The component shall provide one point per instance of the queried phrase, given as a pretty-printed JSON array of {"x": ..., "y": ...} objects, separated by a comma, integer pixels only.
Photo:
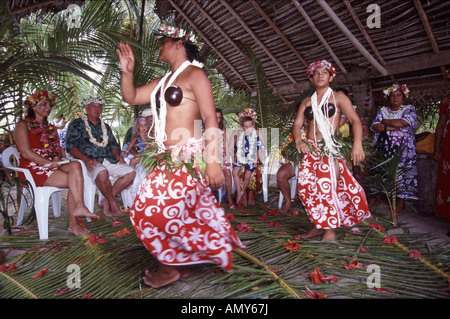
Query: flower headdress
[
  {"x": 248, "y": 112},
  {"x": 167, "y": 29},
  {"x": 321, "y": 64},
  {"x": 88, "y": 101},
  {"x": 396, "y": 87},
  {"x": 38, "y": 97}
]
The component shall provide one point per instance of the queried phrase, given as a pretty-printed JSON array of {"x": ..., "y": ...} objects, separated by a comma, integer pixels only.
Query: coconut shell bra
[
  {"x": 173, "y": 96},
  {"x": 309, "y": 112}
]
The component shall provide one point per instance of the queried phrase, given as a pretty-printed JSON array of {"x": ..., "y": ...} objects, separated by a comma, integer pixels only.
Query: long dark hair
[{"x": 192, "y": 51}]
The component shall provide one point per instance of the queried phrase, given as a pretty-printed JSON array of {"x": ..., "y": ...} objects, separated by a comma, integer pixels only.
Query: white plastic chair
[
  {"x": 89, "y": 186},
  {"x": 265, "y": 179},
  {"x": 90, "y": 189},
  {"x": 42, "y": 194},
  {"x": 294, "y": 188}
]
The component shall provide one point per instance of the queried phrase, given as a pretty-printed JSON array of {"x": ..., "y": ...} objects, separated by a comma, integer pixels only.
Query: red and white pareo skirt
[
  {"x": 180, "y": 222},
  {"x": 330, "y": 202}
]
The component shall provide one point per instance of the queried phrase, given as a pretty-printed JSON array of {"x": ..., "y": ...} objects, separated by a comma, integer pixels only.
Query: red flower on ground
[
  {"x": 291, "y": 245},
  {"x": 5, "y": 268},
  {"x": 122, "y": 232},
  {"x": 390, "y": 240},
  {"x": 96, "y": 239},
  {"x": 230, "y": 217},
  {"x": 376, "y": 226},
  {"x": 117, "y": 222},
  {"x": 41, "y": 273},
  {"x": 414, "y": 254},
  {"x": 274, "y": 224},
  {"x": 263, "y": 218},
  {"x": 314, "y": 295},
  {"x": 243, "y": 227}
]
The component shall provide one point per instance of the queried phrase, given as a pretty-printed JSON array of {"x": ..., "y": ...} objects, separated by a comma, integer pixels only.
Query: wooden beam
[
  {"x": 411, "y": 64},
  {"x": 256, "y": 39},
  {"x": 419, "y": 62},
  {"x": 278, "y": 31},
  {"x": 426, "y": 24},
  {"x": 319, "y": 35},
  {"x": 226, "y": 36},
  {"x": 224, "y": 59},
  {"x": 366, "y": 36},
  {"x": 351, "y": 37}
]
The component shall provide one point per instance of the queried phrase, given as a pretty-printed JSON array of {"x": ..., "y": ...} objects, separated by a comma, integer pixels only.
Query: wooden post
[{"x": 362, "y": 97}]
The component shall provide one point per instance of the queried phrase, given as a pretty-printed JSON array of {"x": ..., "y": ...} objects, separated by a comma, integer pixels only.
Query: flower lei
[
  {"x": 396, "y": 87},
  {"x": 167, "y": 29},
  {"x": 92, "y": 139},
  {"x": 48, "y": 136},
  {"x": 252, "y": 141},
  {"x": 321, "y": 64}
]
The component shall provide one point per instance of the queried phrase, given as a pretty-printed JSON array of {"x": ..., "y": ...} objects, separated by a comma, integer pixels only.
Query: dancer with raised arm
[{"x": 175, "y": 213}]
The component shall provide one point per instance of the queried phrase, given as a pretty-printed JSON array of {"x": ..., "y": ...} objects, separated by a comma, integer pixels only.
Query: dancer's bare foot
[
  {"x": 313, "y": 232},
  {"x": 328, "y": 235},
  {"x": 163, "y": 276},
  {"x": 78, "y": 229},
  {"x": 184, "y": 271}
]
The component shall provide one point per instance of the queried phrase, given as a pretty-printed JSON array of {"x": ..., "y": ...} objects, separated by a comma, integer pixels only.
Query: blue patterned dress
[{"x": 407, "y": 182}]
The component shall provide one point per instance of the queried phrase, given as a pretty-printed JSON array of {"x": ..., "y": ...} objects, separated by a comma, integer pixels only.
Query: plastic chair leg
[
  {"x": 56, "y": 201},
  {"x": 41, "y": 207},
  {"x": 23, "y": 205}
]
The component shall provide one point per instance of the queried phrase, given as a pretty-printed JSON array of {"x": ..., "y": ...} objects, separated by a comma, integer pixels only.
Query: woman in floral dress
[
  {"x": 40, "y": 152},
  {"x": 399, "y": 121}
]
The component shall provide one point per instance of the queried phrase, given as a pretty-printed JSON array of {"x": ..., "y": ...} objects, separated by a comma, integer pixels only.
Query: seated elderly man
[{"x": 91, "y": 140}]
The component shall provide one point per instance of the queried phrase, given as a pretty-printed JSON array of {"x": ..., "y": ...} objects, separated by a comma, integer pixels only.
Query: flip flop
[{"x": 232, "y": 206}]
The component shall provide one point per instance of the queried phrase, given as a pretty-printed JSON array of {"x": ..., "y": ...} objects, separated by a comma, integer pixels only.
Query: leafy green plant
[{"x": 385, "y": 175}]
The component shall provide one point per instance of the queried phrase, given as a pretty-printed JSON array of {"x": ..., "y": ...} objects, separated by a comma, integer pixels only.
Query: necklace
[
  {"x": 159, "y": 119},
  {"x": 324, "y": 125},
  {"x": 48, "y": 136},
  {"x": 252, "y": 141},
  {"x": 92, "y": 139}
]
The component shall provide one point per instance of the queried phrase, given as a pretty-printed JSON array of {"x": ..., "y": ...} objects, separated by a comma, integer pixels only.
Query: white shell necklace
[
  {"x": 159, "y": 119},
  {"x": 324, "y": 125}
]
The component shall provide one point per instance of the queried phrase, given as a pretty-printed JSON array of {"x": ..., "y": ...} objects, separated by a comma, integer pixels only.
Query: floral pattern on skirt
[
  {"x": 330, "y": 203},
  {"x": 178, "y": 219}
]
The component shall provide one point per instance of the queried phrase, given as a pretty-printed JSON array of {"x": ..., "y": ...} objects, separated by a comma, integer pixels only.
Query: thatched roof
[
  {"x": 22, "y": 8},
  {"x": 411, "y": 44}
]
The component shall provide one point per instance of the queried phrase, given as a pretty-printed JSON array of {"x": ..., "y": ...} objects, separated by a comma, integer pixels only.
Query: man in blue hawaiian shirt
[{"x": 91, "y": 140}]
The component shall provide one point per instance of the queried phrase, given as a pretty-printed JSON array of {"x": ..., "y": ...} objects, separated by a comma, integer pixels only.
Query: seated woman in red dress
[{"x": 38, "y": 144}]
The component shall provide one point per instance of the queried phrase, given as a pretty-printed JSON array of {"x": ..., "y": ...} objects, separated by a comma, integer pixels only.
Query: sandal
[{"x": 232, "y": 206}]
